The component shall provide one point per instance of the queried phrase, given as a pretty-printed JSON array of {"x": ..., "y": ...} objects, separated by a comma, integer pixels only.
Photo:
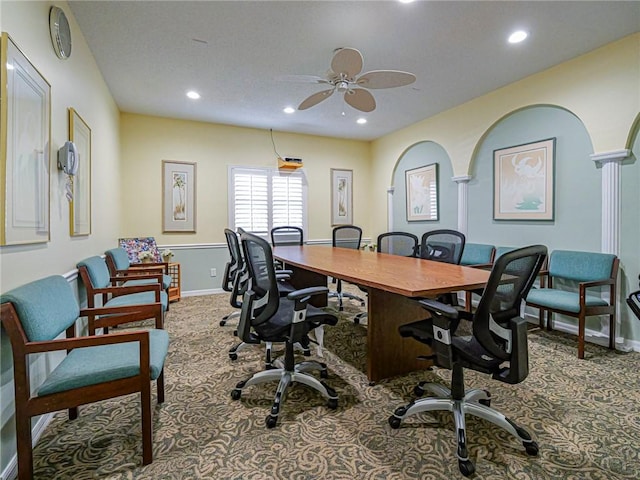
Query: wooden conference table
[{"x": 393, "y": 283}]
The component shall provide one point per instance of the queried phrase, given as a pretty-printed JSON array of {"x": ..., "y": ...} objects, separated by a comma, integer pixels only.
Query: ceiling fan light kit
[{"x": 343, "y": 77}]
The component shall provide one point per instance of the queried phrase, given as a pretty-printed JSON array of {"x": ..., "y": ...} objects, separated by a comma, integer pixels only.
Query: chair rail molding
[
  {"x": 610, "y": 162},
  {"x": 463, "y": 196}
]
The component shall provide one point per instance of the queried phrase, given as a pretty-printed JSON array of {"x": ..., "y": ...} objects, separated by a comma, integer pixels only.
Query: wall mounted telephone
[{"x": 68, "y": 158}]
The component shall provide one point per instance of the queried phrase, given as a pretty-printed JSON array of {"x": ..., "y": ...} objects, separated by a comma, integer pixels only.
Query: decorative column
[
  {"x": 390, "y": 191},
  {"x": 610, "y": 162},
  {"x": 610, "y": 242},
  {"x": 463, "y": 208}
]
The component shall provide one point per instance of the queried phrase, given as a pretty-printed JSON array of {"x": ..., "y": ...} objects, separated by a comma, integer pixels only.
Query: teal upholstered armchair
[
  {"x": 572, "y": 286},
  {"x": 95, "y": 367},
  {"x": 97, "y": 281},
  {"x": 135, "y": 274}
]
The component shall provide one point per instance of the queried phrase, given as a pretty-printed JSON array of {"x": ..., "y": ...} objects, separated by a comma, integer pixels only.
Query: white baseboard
[
  {"x": 11, "y": 471},
  {"x": 198, "y": 293}
]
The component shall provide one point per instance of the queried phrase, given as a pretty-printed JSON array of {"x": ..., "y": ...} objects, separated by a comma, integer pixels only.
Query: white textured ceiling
[{"x": 236, "y": 53}]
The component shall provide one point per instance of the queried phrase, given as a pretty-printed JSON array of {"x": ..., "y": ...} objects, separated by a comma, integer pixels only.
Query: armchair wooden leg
[
  {"x": 549, "y": 320},
  {"x": 73, "y": 413},
  {"x": 541, "y": 317},
  {"x": 467, "y": 301},
  {"x": 24, "y": 446},
  {"x": 581, "y": 321},
  {"x": 160, "y": 387},
  {"x": 612, "y": 331},
  {"x": 147, "y": 426}
]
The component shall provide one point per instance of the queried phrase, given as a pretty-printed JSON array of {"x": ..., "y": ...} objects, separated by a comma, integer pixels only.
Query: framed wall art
[
  {"x": 178, "y": 197},
  {"x": 341, "y": 197},
  {"x": 80, "y": 205},
  {"x": 422, "y": 193},
  {"x": 523, "y": 181},
  {"x": 25, "y": 135}
]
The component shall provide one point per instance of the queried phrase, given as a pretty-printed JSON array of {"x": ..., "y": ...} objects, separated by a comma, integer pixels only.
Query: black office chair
[
  {"x": 633, "y": 300},
  {"x": 497, "y": 346},
  {"x": 346, "y": 236},
  {"x": 398, "y": 243},
  {"x": 232, "y": 273},
  {"x": 239, "y": 286},
  {"x": 266, "y": 317},
  {"x": 395, "y": 243},
  {"x": 442, "y": 246},
  {"x": 287, "y": 235}
]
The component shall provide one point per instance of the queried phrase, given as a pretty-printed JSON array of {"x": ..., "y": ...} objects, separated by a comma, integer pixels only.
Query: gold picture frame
[
  {"x": 25, "y": 136},
  {"x": 178, "y": 197},
  {"x": 523, "y": 181},
  {"x": 80, "y": 204}
]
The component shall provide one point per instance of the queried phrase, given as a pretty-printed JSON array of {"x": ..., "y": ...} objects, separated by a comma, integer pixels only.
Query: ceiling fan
[{"x": 343, "y": 77}]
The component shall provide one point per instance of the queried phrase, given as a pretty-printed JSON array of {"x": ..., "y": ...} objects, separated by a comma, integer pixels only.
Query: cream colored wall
[
  {"x": 602, "y": 88},
  {"x": 146, "y": 141},
  {"x": 75, "y": 82}
]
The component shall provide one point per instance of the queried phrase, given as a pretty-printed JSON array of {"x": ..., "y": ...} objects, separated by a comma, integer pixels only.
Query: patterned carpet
[{"x": 585, "y": 415}]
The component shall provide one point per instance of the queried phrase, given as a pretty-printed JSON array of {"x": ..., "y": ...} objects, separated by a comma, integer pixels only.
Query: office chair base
[
  {"x": 475, "y": 402},
  {"x": 228, "y": 317},
  {"x": 342, "y": 295},
  {"x": 285, "y": 378}
]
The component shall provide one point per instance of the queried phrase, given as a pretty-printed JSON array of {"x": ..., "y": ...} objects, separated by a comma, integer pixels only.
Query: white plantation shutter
[{"x": 263, "y": 198}]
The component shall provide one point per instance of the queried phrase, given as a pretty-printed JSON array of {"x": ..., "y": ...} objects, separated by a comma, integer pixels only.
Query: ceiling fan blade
[
  {"x": 302, "y": 79},
  {"x": 347, "y": 61},
  {"x": 385, "y": 79},
  {"x": 360, "y": 100},
  {"x": 315, "y": 99}
]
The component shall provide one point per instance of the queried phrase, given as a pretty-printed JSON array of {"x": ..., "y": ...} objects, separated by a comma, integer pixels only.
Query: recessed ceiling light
[
  {"x": 361, "y": 121},
  {"x": 9, "y": 66},
  {"x": 518, "y": 36},
  {"x": 289, "y": 110},
  {"x": 193, "y": 95},
  {"x": 406, "y": 1}
]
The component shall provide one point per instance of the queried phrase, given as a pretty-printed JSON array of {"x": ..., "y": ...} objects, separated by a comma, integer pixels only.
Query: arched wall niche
[
  {"x": 630, "y": 231},
  {"x": 418, "y": 155},
  {"x": 577, "y": 183}
]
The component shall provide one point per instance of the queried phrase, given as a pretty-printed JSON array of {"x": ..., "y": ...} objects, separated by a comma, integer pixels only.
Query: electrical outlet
[{"x": 213, "y": 272}]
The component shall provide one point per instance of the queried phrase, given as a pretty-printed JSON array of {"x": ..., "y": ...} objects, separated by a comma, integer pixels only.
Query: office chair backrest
[
  {"x": 236, "y": 264},
  {"x": 262, "y": 279},
  {"x": 398, "y": 243},
  {"x": 347, "y": 236},
  {"x": 287, "y": 235},
  {"x": 511, "y": 278},
  {"x": 442, "y": 246}
]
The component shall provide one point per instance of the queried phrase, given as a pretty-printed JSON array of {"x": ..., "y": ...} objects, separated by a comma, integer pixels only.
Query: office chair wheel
[
  {"x": 324, "y": 373},
  {"x": 223, "y": 323},
  {"x": 271, "y": 421},
  {"x": 418, "y": 390},
  {"x": 332, "y": 403},
  {"x": 486, "y": 402},
  {"x": 236, "y": 393},
  {"x": 233, "y": 356},
  {"x": 394, "y": 422},
  {"x": 356, "y": 320},
  {"x": 466, "y": 467},
  {"x": 531, "y": 448}
]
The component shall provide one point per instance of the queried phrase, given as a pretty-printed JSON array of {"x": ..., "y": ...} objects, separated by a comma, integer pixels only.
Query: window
[{"x": 263, "y": 198}]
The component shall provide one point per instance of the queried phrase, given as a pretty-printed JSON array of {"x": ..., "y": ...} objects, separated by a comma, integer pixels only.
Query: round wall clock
[{"x": 60, "y": 32}]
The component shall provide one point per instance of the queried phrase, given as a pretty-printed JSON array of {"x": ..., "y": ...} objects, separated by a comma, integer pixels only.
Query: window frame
[{"x": 270, "y": 173}]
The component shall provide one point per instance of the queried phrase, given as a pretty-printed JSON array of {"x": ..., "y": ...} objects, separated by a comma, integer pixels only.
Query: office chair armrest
[
  {"x": 284, "y": 271},
  {"x": 307, "y": 292},
  {"x": 440, "y": 308}
]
